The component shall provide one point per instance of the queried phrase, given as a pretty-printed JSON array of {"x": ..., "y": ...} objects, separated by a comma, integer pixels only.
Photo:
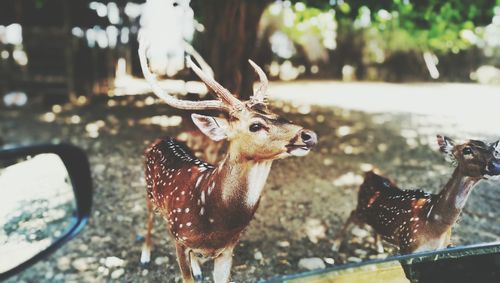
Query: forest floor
[{"x": 306, "y": 200}]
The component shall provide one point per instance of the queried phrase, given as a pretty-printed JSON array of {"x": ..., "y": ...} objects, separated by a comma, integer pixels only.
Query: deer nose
[
  {"x": 309, "y": 137},
  {"x": 494, "y": 167}
]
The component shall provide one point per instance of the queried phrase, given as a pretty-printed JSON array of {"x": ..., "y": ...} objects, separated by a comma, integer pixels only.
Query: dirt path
[{"x": 318, "y": 188}]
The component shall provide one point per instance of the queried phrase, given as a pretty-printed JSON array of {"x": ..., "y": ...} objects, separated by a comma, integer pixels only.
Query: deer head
[
  {"x": 253, "y": 131},
  {"x": 473, "y": 158}
]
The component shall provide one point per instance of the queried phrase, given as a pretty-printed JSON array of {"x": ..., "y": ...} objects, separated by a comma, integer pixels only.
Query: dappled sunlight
[
  {"x": 471, "y": 106},
  {"x": 162, "y": 120}
]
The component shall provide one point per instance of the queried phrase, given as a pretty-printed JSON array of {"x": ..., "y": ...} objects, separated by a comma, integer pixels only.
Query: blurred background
[
  {"x": 82, "y": 48},
  {"x": 377, "y": 80}
]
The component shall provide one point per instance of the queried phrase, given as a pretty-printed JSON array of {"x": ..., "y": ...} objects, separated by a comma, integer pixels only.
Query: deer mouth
[{"x": 298, "y": 149}]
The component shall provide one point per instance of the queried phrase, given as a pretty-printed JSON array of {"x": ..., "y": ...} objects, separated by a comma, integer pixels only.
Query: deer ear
[
  {"x": 445, "y": 144},
  {"x": 212, "y": 127}
]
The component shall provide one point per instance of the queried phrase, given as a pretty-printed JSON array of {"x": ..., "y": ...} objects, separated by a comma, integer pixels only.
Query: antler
[
  {"x": 170, "y": 100},
  {"x": 199, "y": 59},
  {"x": 219, "y": 90},
  {"x": 260, "y": 95}
]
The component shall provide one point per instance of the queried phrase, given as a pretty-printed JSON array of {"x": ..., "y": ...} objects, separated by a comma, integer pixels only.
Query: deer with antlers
[
  {"x": 415, "y": 220},
  {"x": 206, "y": 206}
]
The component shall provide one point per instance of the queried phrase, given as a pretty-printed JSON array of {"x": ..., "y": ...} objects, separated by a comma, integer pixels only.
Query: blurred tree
[
  {"x": 397, "y": 27},
  {"x": 230, "y": 39}
]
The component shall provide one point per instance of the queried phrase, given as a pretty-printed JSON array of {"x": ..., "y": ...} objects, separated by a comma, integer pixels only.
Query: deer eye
[
  {"x": 255, "y": 127},
  {"x": 467, "y": 151}
]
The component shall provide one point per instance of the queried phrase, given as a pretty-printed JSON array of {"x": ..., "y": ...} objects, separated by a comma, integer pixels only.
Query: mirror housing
[
  {"x": 77, "y": 166},
  {"x": 477, "y": 263}
]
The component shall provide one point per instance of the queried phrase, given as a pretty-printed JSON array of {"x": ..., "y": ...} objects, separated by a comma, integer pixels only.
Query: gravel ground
[{"x": 303, "y": 207}]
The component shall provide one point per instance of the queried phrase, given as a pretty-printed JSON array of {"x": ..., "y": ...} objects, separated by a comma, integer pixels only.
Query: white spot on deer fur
[
  {"x": 198, "y": 181},
  {"x": 202, "y": 210},
  {"x": 202, "y": 197},
  {"x": 186, "y": 210},
  {"x": 430, "y": 210},
  {"x": 211, "y": 220},
  {"x": 211, "y": 188},
  {"x": 257, "y": 177},
  {"x": 188, "y": 224}
]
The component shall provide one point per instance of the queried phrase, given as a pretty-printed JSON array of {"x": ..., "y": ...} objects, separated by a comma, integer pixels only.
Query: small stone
[
  {"x": 63, "y": 263},
  {"x": 113, "y": 261},
  {"x": 283, "y": 244},
  {"x": 49, "y": 274},
  {"x": 329, "y": 260},
  {"x": 354, "y": 259},
  {"x": 161, "y": 260},
  {"x": 99, "y": 168},
  {"x": 311, "y": 263},
  {"x": 315, "y": 230},
  {"x": 258, "y": 255},
  {"x": 327, "y": 161},
  {"x": 360, "y": 233},
  {"x": 80, "y": 264},
  {"x": 103, "y": 270},
  {"x": 83, "y": 247},
  {"x": 145, "y": 272},
  {"x": 370, "y": 239},
  {"x": 335, "y": 248},
  {"x": 117, "y": 273},
  {"x": 360, "y": 252}
]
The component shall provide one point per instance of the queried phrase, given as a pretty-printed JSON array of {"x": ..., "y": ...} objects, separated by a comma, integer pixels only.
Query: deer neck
[
  {"x": 242, "y": 180},
  {"x": 451, "y": 200}
]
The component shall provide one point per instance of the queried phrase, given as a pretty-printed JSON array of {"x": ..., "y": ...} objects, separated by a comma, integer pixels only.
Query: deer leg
[
  {"x": 353, "y": 219},
  {"x": 195, "y": 267},
  {"x": 379, "y": 243},
  {"x": 146, "y": 247},
  {"x": 222, "y": 266},
  {"x": 447, "y": 241},
  {"x": 183, "y": 260}
]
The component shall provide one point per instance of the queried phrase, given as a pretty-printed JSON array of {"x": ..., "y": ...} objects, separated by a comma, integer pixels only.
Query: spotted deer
[
  {"x": 207, "y": 206},
  {"x": 415, "y": 220}
]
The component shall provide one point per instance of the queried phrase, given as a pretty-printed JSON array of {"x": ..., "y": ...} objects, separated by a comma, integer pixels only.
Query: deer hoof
[
  {"x": 198, "y": 278},
  {"x": 145, "y": 256}
]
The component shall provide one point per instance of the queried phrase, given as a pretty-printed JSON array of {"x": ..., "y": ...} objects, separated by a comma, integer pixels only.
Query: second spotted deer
[
  {"x": 415, "y": 220},
  {"x": 206, "y": 206}
]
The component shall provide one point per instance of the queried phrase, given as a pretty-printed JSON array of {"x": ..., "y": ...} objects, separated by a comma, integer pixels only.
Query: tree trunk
[{"x": 230, "y": 39}]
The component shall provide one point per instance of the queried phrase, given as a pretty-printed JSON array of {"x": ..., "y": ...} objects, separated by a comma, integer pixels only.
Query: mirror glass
[{"x": 36, "y": 206}]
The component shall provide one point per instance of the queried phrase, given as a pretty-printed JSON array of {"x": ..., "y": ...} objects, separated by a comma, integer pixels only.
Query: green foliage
[
  {"x": 433, "y": 25},
  {"x": 307, "y": 20}
]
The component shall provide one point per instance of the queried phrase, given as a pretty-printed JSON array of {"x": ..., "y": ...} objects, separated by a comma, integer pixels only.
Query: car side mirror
[{"x": 45, "y": 200}]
